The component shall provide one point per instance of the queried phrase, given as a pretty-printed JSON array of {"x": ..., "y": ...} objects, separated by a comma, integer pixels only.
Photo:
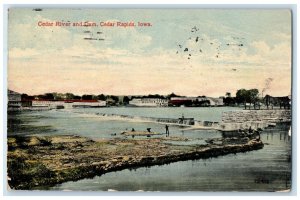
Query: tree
[
  {"x": 156, "y": 96},
  {"x": 267, "y": 98},
  {"x": 58, "y": 96},
  {"x": 69, "y": 96},
  {"x": 241, "y": 96},
  {"x": 228, "y": 94},
  {"x": 126, "y": 100},
  {"x": 253, "y": 96},
  {"x": 94, "y": 97},
  {"x": 115, "y": 98},
  {"x": 77, "y": 97},
  {"x": 49, "y": 96},
  {"x": 102, "y": 97},
  {"x": 87, "y": 97},
  {"x": 229, "y": 101},
  {"x": 247, "y": 96},
  {"x": 24, "y": 96},
  {"x": 172, "y": 95}
]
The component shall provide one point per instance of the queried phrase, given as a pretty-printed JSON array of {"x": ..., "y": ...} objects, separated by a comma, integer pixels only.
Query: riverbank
[{"x": 35, "y": 161}]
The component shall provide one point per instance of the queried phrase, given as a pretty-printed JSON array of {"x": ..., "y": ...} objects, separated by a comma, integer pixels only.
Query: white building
[
  {"x": 149, "y": 102},
  {"x": 46, "y": 103},
  {"x": 52, "y": 104}
]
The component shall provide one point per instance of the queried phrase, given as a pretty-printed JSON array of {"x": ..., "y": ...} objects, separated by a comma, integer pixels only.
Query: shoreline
[{"x": 36, "y": 162}]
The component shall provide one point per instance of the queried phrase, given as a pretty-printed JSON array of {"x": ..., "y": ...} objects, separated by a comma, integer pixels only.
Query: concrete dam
[{"x": 231, "y": 121}]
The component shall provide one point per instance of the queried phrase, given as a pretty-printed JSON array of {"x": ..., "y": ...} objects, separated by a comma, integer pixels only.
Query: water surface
[{"x": 267, "y": 169}]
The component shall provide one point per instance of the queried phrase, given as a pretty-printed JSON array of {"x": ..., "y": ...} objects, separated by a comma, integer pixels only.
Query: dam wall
[
  {"x": 177, "y": 121},
  {"x": 231, "y": 120},
  {"x": 257, "y": 116},
  {"x": 244, "y": 119}
]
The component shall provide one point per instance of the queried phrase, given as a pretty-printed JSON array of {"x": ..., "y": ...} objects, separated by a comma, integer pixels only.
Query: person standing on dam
[{"x": 167, "y": 131}]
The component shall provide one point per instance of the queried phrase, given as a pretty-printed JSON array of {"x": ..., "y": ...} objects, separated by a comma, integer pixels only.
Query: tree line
[
  {"x": 242, "y": 97},
  {"x": 69, "y": 96},
  {"x": 111, "y": 98}
]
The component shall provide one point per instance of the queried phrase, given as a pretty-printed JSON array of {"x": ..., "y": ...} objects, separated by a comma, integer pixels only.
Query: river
[{"x": 267, "y": 169}]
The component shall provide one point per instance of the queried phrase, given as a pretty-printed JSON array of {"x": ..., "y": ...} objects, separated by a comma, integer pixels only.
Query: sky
[{"x": 189, "y": 52}]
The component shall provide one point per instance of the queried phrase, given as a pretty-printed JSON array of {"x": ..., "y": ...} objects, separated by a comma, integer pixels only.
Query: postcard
[{"x": 169, "y": 100}]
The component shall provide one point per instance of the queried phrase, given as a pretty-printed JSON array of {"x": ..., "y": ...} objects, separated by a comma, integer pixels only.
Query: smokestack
[{"x": 267, "y": 85}]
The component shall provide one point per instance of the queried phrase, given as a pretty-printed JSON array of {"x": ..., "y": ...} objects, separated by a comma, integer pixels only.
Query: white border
[{"x": 150, "y": 4}]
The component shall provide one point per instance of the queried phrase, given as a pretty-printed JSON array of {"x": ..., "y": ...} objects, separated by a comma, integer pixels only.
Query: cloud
[
  {"x": 121, "y": 71},
  {"x": 128, "y": 38},
  {"x": 27, "y": 34},
  {"x": 279, "y": 55},
  {"x": 17, "y": 53},
  {"x": 133, "y": 61}
]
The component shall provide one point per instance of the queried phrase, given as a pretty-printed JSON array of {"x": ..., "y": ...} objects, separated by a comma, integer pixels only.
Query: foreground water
[{"x": 267, "y": 169}]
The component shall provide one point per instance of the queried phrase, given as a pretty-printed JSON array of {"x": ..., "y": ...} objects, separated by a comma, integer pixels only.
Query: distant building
[
  {"x": 196, "y": 101},
  {"x": 54, "y": 104},
  {"x": 215, "y": 101},
  {"x": 149, "y": 102},
  {"x": 281, "y": 102},
  {"x": 14, "y": 100},
  {"x": 88, "y": 103},
  {"x": 50, "y": 104},
  {"x": 181, "y": 101}
]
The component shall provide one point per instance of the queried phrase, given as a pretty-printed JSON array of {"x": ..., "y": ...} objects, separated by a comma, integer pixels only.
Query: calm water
[
  {"x": 86, "y": 123},
  {"x": 267, "y": 169}
]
